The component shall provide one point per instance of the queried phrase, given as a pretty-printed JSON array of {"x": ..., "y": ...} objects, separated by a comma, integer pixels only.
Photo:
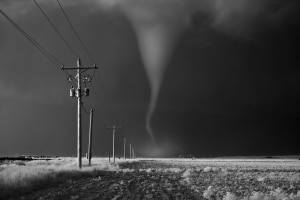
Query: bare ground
[
  {"x": 143, "y": 180},
  {"x": 119, "y": 185}
]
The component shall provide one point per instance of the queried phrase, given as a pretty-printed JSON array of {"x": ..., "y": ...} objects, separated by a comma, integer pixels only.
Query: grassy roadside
[{"x": 22, "y": 177}]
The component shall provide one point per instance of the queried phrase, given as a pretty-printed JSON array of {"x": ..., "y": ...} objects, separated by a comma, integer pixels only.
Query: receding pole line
[
  {"x": 130, "y": 151},
  {"x": 133, "y": 156},
  {"x": 114, "y": 128},
  {"x": 124, "y": 148}
]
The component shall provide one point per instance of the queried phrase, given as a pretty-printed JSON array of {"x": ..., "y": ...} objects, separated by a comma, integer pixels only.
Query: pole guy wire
[
  {"x": 55, "y": 29},
  {"x": 75, "y": 32},
  {"x": 84, "y": 109},
  {"x": 32, "y": 41}
]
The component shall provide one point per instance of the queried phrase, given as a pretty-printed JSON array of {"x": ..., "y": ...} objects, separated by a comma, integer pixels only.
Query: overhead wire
[
  {"x": 75, "y": 32},
  {"x": 96, "y": 94},
  {"x": 84, "y": 109},
  {"x": 75, "y": 54},
  {"x": 89, "y": 56},
  {"x": 104, "y": 91},
  {"x": 106, "y": 98},
  {"x": 46, "y": 53},
  {"x": 55, "y": 29},
  {"x": 93, "y": 73},
  {"x": 61, "y": 36},
  {"x": 32, "y": 41},
  {"x": 100, "y": 80},
  {"x": 79, "y": 39}
]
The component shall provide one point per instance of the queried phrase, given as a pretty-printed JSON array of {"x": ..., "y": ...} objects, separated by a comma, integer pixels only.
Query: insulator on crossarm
[
  {"x": 86, "y": 91},
  {"x": 72, "y": 92},
  {"x": 69, "y": 78},
  {"x": 88, "y": 78}
]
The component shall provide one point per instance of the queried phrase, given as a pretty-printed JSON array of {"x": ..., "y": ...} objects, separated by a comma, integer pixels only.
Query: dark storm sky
[{"x": 230, "y": 73}]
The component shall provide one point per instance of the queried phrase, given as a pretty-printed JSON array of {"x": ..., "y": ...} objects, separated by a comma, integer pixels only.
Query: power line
[
  {"x": 89, "y": 105},
  {"x": 96, "y": 94},
  {"x": 56, "y": 30},
  {"x": 85, "y": 101},
  {"x": 32, "y": 41},
  {"x": 106, "y": 98},
  {"x": 84, "y": 109},
  {"x": 107, "y": 102},
  {"x": 75, "y": 32},
  {"x": 93, "y": 74},
  {"x": 101, "y": 83}
]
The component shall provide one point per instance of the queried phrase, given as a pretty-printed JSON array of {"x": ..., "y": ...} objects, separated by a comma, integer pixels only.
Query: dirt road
[
  {"x": 119, "y": 185},
  {"x": 178, "y": 180}
]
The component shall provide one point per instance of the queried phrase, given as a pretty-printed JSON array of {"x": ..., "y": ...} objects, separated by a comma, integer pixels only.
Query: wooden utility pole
[
  {"x": 78, "y": 93},
  {"x": 114, "y": 128},
  {"x": 90, "y": 137},
  {"x": 124, "y": 148}
]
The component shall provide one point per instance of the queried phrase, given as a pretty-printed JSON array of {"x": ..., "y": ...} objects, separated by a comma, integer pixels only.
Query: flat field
[{"x": 228, "y": 179}]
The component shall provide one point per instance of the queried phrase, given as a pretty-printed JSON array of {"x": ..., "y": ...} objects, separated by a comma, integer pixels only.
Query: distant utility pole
[
  {"x": 130, "y": 150},
  {"x": 114, "y": 128},
  {"x": 132, "y": 153},
  {"x": 78, "y": 93},
  {"x": 90, "y": 137},
  {"x": 124, "y": 148}
]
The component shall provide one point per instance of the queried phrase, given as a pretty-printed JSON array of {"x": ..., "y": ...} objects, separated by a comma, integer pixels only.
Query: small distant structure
[
  {"x": 186, "y": 156},
  {"x": 268, "y": 157}
]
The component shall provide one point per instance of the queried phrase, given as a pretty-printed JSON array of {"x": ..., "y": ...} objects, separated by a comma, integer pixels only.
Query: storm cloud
[{"x": 218, "y": 63}]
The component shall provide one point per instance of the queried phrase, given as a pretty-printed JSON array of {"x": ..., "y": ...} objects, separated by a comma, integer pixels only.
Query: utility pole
[
  {"x": 114, "y": 128},
  {"x": 133, "y": 156},
  {"x": 124, "y": 148},
  {"x": 130, "y": 150},
  {"x": 78, "y": 94},
  {"x": 90, "y": 137}
]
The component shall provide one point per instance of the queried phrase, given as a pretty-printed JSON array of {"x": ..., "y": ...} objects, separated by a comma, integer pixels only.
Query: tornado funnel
[{"x": 157, "y": 27}]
